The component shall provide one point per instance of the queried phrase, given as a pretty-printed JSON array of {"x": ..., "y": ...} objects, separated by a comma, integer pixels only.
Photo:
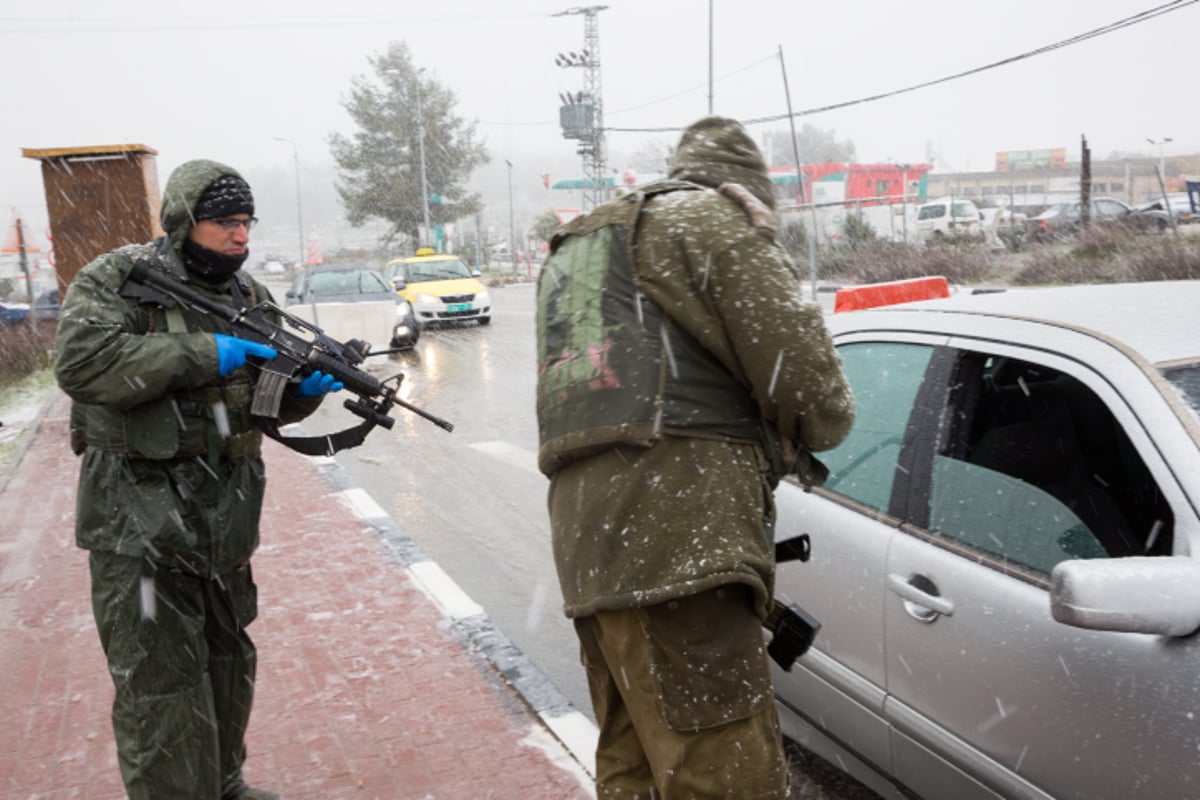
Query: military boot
[{"x": 241, "y": 791}]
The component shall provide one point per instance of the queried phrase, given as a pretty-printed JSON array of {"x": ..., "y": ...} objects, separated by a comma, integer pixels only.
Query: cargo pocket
[
  {"x": 708, "y": 659},
  {"x": 244, "y": 595},
  {"x": 152, "y": 429}
]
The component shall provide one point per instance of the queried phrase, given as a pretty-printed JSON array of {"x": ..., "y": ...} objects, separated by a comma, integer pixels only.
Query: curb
[
  {"x": 468, "y": 621},
  {"x": 26, "y": 436}
]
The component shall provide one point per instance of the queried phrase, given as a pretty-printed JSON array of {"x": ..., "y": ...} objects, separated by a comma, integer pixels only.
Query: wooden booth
[{"x": 99, "y": 197}]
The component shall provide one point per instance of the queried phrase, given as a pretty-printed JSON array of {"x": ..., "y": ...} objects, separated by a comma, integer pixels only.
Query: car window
[
  {"x": 372, "y": 282},
  {"x": 1109, "y": 208},
  {"x": 1006, "y": 516},
  {"x": 439, "y": 270},
  {"x": 1186, "y": 380},
  {"x": 1035, "y": 469},
  {"x": 329, "y": 284},
  {"x": 965, "y": 210},
  {"x": 931, "y": 212},
  {"x": 885, "y": 378}
]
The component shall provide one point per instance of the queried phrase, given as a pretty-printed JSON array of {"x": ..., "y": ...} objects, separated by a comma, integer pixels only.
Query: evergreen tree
[{"x": 379, "y": 165}]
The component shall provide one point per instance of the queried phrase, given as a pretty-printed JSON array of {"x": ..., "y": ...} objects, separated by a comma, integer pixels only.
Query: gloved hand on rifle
[
  {"x": 318, "y": 384},
  {"x": 232, "y": 352}
]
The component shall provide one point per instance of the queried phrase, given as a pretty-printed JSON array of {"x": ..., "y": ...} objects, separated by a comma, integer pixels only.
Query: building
[{"x": 1033, "y": 184}]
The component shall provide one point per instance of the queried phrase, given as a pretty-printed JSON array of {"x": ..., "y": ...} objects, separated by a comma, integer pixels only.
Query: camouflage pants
[
  {"x": 183, "y": 667},
  {"x": 682, "y": 694}
]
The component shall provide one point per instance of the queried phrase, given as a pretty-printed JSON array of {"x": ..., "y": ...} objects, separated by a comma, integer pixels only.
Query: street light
[
  {"x": 1162, "y": 164},
  {"x": 512, "y": 230},
  {"x": 299, "y": 213},
  {"x": 420, "y": 149}
]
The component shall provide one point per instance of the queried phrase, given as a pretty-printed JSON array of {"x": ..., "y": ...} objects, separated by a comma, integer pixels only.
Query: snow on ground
[{"x": 21, "y": 405}]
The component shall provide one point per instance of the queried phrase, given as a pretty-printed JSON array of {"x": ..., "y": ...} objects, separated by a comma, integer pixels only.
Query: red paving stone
[{"x": 363, "y": 693}]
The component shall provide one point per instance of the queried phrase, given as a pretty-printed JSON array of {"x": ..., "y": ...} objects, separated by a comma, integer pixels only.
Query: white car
[
  {"x": 949, "y": 218},
  {"x": 1006, "y": 554}
]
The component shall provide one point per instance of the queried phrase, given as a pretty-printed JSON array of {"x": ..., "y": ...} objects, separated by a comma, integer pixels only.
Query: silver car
[{"x": 1006, "y": 554}]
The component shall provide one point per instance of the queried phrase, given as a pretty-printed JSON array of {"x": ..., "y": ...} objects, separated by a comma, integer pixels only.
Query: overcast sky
[{"x": 223, "y": 80}]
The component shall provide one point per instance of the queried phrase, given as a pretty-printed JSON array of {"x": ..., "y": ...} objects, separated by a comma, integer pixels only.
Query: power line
[
  {"x": 59, "y": 25},
  {"x": 1143, "y": 16},
  {"x": 648, "y": 103}
]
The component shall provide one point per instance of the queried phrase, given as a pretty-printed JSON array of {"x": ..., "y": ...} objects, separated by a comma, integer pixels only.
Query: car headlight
[
  {"x": 482, "y": 297},
  {"x": 427, "y": 299}
]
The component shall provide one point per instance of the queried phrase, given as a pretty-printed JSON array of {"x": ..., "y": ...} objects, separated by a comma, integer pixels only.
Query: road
[{"x": 473, "y": 499}]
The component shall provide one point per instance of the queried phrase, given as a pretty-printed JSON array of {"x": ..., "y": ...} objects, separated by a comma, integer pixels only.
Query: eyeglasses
[{"x": 231, "y": 223}]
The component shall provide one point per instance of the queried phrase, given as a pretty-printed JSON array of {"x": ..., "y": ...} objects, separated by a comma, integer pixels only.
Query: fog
[{"x": 227, "y": 82}]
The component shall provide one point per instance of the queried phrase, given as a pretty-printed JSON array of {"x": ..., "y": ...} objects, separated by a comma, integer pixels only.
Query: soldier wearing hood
[
  {"x": 171, "y": 487},
  {"x": 680, "y": 376}
]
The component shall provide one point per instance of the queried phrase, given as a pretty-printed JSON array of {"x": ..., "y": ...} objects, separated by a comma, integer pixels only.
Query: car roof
[
  {"x": 422, "y": 259},
  {"x": 1156, "y": 319}
]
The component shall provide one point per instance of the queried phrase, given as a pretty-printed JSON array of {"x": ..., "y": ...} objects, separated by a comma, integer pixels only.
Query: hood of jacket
[
  {"x": 717, "y": 150},
  {"x": 183, "y": 190}
]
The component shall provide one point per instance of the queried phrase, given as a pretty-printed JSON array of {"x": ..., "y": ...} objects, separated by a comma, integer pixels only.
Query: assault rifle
[{"x": 298, "y": 354}]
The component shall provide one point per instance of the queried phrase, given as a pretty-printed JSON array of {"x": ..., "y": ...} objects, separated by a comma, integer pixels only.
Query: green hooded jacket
[
  {"x": 171, "y": 465},
  {"x": 643, "y": 523}
]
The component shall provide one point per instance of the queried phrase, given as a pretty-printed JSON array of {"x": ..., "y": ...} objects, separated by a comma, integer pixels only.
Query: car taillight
[{"x": 1041, "y": 226}]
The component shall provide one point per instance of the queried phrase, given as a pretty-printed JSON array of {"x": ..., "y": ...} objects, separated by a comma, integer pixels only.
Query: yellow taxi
[{"x": 440, "y": 287}]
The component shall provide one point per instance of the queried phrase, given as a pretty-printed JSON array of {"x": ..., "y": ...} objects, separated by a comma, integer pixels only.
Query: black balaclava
[{"x": 227, "y": 195}]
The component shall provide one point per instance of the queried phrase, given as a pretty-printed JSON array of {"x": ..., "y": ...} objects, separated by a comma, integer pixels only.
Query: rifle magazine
[{"x": 268, "y": 394}]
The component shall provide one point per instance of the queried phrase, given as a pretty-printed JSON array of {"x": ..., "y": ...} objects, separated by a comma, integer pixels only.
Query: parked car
[
  {"x": 13, "y": 313},
  {"x": 1063, "y": 220},
  {"x": 440, "y": 287},
  {"x": 45, "y": 306},
  {"x": 949, "y": 218},
  {"x": 1159, "y": 219},
  {"x": 1006, "y": 554},
  {"x": 374, "y": 314}
]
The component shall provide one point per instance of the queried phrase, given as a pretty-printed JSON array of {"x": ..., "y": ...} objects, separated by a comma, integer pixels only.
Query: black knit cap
[{"x": 227, "y": 195}]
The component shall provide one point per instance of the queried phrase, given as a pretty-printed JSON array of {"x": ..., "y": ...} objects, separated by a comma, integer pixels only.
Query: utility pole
[
  {"x": 812, "y": 240},
  {"x": 710, "y": 57},
  {"x": 582, "y": 115},
  {"x": 302, "y": 259},
  {"x": 421, "y": 148}
]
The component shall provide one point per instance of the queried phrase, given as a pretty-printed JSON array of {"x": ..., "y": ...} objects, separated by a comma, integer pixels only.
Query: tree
[
  {"x": 544, "y": 226},
  {"x": 654, "y": 155},
  {"x": 817, "y": 146},
  {"x": 379, "y": 166}
]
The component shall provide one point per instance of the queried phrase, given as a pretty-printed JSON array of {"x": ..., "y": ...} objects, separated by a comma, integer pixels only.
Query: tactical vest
[
  {"x": 613, "y": 368},
  {"x": 212, "y": 422}
]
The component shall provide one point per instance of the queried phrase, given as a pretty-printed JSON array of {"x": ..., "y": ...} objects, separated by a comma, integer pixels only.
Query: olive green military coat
[
  {"x": 638, "y": 525},
  {"x": 171, "y": 467}
]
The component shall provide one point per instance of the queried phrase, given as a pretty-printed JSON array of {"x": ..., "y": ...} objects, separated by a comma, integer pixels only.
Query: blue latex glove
[
  {"x": 318, "y": 384},
  {"x": 232, "y": 352}
]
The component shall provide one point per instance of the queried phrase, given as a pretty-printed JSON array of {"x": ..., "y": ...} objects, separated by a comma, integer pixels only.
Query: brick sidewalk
[{"x": 367, "y": 688}]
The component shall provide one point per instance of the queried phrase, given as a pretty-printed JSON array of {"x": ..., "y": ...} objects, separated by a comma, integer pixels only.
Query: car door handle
[{"x": 916, "y": 589}]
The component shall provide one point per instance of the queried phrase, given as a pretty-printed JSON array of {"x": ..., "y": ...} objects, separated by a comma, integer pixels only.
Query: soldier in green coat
[
  {"x": 171, "y": 488},
  {"x": 680, "y": 376}
]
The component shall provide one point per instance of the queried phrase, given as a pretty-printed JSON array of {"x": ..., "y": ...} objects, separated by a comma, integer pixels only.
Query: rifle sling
[{"x": 325, "y": 445}]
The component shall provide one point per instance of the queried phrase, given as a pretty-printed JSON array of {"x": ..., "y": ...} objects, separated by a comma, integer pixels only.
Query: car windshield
[
  {"x": 447, "y": 269},
  {"x": 327, "y": 284},
  {"x": 1186, "y": 380}
]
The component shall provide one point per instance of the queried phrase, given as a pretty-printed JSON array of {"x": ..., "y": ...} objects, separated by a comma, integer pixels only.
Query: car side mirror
[
  {"x": 1140, "y": 594},
  {"x": 476, "y": 272},
  {"x": 291, "y": 293},
  {"x": 398, "y": 283}
]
